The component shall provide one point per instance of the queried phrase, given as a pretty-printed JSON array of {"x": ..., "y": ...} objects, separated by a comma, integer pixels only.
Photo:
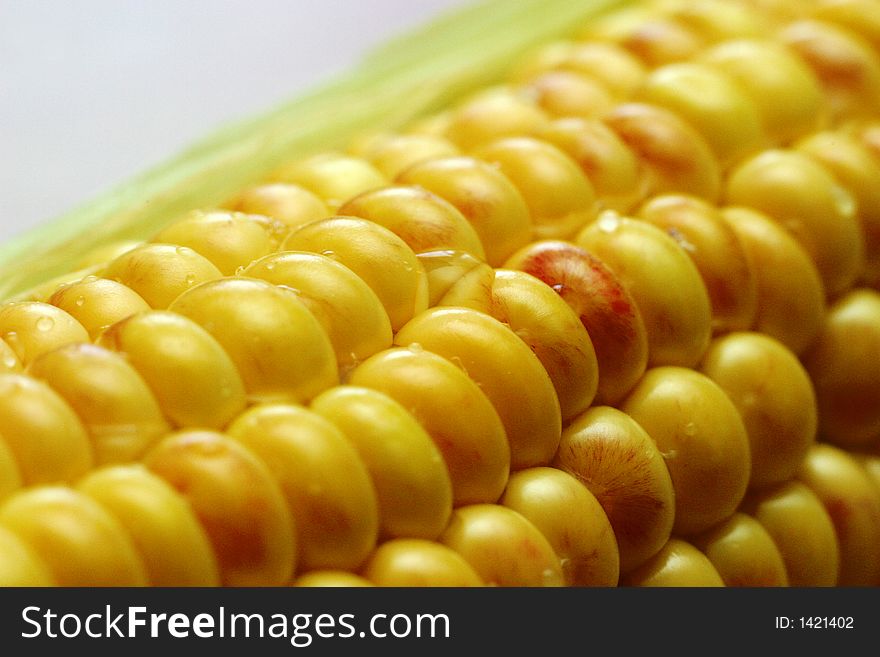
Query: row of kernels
[{"x": 337, "y": 194}]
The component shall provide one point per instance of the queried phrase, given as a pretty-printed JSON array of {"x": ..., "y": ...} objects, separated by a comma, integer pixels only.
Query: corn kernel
[
  {"x": 458, "y": 416},
  {"x": 160, "y": 273},
  {"x": 415, "y": 562},
  {"x": 192, "y": 377},
  {"x": 115, "y": 405},
  {"x": 280, "y": 350},
  {"x": 608, "y": 452},
  {"x": 399, "y": 455},
  {"x": 502, "y": 547},
  {"x": 487, "y": 199},
  {"x": 327, "y": 487},
  {"x": 376, "y": 255},
  {"x": 237, "y": 501},
  {"x": 571, "y": 519},
  {"x": 506, "y": 370},
  {"x": 42, "y": 432}
]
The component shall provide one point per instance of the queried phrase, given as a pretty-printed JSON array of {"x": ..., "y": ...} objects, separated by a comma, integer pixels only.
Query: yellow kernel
[
  {"x": 715, "y": 249},
  {"x": 610, "y": 165},
  {"x": 334, "y": 177},
  {"x": 191, "y": 376},
  {"x": 712, "y": 103},
  {"x": 325, "y": 484},
  {"x": 676, "y": 157},
  {"x": 845, "y": 64},
  {"x": 228, "y": 239},
  {"x": 502, "y": 547},
  {"x": 423, "y": 220},
  {"x": 506, "y": 370},
  {"x": 802, "y": 529},
  {"x": 675, "y": 306},
  {"x": 493, "y": 114},
  {"x": 853, "y": 504},
  {"x": 743, "y": 553},
  {"x": 413, "y": 488},
  {"x": 115, "y": 405},
  {"x": 785, "y": 91},
  {"x": 280, "y": 350},
  {"x": 20, "y": 565},
  {"x": 571, "y": 519},
  {"x": 457, "y": 415},
  {"x": 31, "y": 328},
  {"x": 842, "y": 363},
  {"x": 858, "y": 171},
  {"x": 378, "y": 256},
  {"x": 80, "y": 542},
  {"x": 484, "y": 195},
  {"x": 774, "y": 397},
  {"x": 42, "y": 432},
  {"x": 701, "y": 436},
  {"x": 678, "y": 564},
  {"x": 560, "y": 198},
  {"x": 553, "y": 331},
  {"x": 610, "y": 454},
  {"x": 567, "y": 93},
  {"x": 96, "y": 303},
  {"x": 417, "y": 562},
  {"x": 391, "y": 154},
  {"x": 790, "y": 294},
  {"x": 606, "y": 309},
  {"x": 159, "y": 273},
  {"x": 806, "y": 200},
  {"x": 620, "y": 71},
  {"x": 349, "y": 311},
  {"x": 290, "y": 204},
  {"x": 237, "y": 501},
  {"x": 162, "y": 525}
]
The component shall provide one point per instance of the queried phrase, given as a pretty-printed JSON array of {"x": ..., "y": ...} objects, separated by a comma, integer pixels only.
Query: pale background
[{"x": 93, "y": 92}]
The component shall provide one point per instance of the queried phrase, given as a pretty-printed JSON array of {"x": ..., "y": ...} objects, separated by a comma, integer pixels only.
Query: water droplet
[
  {"x": 690, "y": 429},
  {"x": 328, "y": 253},
  {"x": 559, "y": 288},
  {"x": 550, "y": 577},
  {"x": 844, "y": 201},
  {"x": 10, "y": 361},
  {"x": 91, "y": 278},
  {"x": 608, "y": 221},
  {"x": 80, "y": 300},
  {"x": 239, "y": 270},
  {"x": 45, "y": 324},
  {"x": 190, "y": 279},
  {"x": 682, "y": 241},
  {"x": 416, "y": 348},
  {"x": 270, "y": 266}
]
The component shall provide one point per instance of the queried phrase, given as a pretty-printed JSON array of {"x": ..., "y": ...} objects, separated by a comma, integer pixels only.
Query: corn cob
[{"x": 611, "y": 319}]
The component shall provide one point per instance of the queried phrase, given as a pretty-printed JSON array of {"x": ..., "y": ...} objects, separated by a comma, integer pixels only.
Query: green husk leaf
[{"x": 406, "y": 78}]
